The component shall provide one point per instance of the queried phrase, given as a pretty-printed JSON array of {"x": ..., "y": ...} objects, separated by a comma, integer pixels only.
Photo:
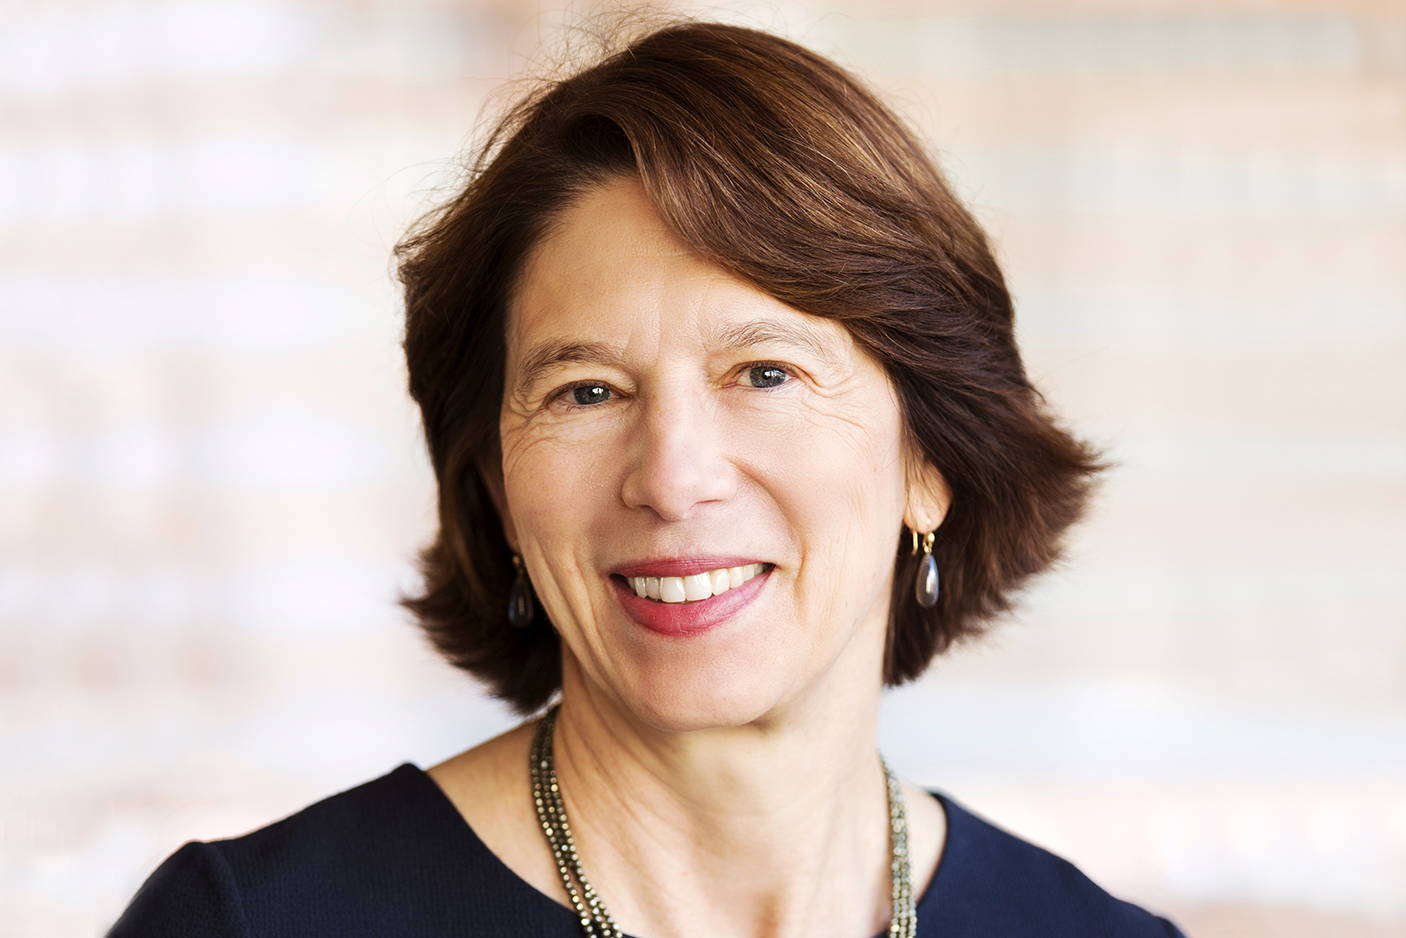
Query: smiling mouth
[{"x": 690, "y": 589}]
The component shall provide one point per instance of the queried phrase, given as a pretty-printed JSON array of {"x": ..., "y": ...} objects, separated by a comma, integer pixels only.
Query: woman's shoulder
[
  {"x": 396, "y": 819},
  {"x": 394, "y": 857},
  {"x": 388, "y": 858},
  {"x": 991, "y": 882}
]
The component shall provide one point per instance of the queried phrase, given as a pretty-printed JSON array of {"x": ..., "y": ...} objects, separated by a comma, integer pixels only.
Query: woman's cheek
[
  {"x": 555, "y": 500},
  {"x": 850, "y": 444}
]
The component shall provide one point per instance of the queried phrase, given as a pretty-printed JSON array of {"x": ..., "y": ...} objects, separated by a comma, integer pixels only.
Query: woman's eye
[
  {"x": 588, "y": 394},
  {"x": 767, "y": 376}
]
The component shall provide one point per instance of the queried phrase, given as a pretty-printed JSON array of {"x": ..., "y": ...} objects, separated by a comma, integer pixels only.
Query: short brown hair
[{"x": 780, "y": 167}]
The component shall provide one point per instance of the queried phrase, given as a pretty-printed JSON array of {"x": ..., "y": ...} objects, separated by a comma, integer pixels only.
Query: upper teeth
[{"x": 679, "y": 589}]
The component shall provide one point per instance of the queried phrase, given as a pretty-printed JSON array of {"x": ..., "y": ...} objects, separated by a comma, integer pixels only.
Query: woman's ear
[
  {"x": 929, "y": 497},
  {"x": 491, "y": 472}
]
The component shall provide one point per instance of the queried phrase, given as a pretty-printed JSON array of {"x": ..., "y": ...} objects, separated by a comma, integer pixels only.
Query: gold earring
[
  {"x": 925, "y": 589},
  {"x": 521, "y": 609}
]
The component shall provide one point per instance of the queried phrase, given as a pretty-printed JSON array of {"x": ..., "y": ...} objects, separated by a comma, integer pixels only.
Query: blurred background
[{"x": 212, "y": 485}]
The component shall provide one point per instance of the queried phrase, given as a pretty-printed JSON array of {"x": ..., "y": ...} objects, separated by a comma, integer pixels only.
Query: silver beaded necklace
[{"x": 595, "y": 918}]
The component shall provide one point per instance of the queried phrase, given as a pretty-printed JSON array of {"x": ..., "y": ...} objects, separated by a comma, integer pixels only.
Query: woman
[{"x": 721, "y": 391}]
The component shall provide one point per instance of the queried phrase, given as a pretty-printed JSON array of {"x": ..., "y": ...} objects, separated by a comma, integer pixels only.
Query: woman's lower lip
[{"x": 687, "y": 618}]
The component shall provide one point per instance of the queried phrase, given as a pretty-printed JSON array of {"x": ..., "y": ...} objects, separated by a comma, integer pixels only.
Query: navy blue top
[{"x": 394, "y": 859}]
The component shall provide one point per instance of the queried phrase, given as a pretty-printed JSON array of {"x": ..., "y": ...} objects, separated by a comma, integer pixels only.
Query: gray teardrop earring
[
  {"x": 925, "y": 589},
  {"x": 521, "y": 609}
]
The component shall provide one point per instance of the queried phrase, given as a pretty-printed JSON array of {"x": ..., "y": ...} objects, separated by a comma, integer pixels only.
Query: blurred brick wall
[{"x": 211, "y": 486}]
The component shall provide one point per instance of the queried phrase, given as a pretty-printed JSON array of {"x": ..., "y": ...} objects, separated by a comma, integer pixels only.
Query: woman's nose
[{"x": 676, "y": 461}]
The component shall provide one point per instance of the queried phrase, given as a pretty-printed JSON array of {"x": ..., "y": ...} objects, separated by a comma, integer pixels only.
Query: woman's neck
[
  {"x": 777, "y": 827},
  {"x": 770, "y": 829}
]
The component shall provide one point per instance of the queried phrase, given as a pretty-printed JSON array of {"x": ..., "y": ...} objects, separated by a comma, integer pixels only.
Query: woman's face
[{"x": 664, "y": 421}]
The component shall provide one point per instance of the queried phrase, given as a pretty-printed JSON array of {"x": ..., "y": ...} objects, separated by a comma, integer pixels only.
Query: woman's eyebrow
[
  {"x": 793, "y": 335},
  {"x": 545, "y": 356}
]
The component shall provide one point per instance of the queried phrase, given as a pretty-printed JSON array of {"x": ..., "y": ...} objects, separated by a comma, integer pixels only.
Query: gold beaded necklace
[{"x": 595, "y": 918}]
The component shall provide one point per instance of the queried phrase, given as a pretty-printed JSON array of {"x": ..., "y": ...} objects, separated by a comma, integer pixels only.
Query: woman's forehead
[
  {"x": 603, "y": 237},
  {"x": 610, "y": 271}
]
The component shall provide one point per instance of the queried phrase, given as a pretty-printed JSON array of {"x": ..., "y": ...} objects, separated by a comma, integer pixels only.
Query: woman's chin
[
  {"x": 696, "y": 697},
  {"x": 676, "y": 712}
]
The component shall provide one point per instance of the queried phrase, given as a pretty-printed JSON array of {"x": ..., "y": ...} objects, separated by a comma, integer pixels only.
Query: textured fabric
[{"x": 394, "y": 859}]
